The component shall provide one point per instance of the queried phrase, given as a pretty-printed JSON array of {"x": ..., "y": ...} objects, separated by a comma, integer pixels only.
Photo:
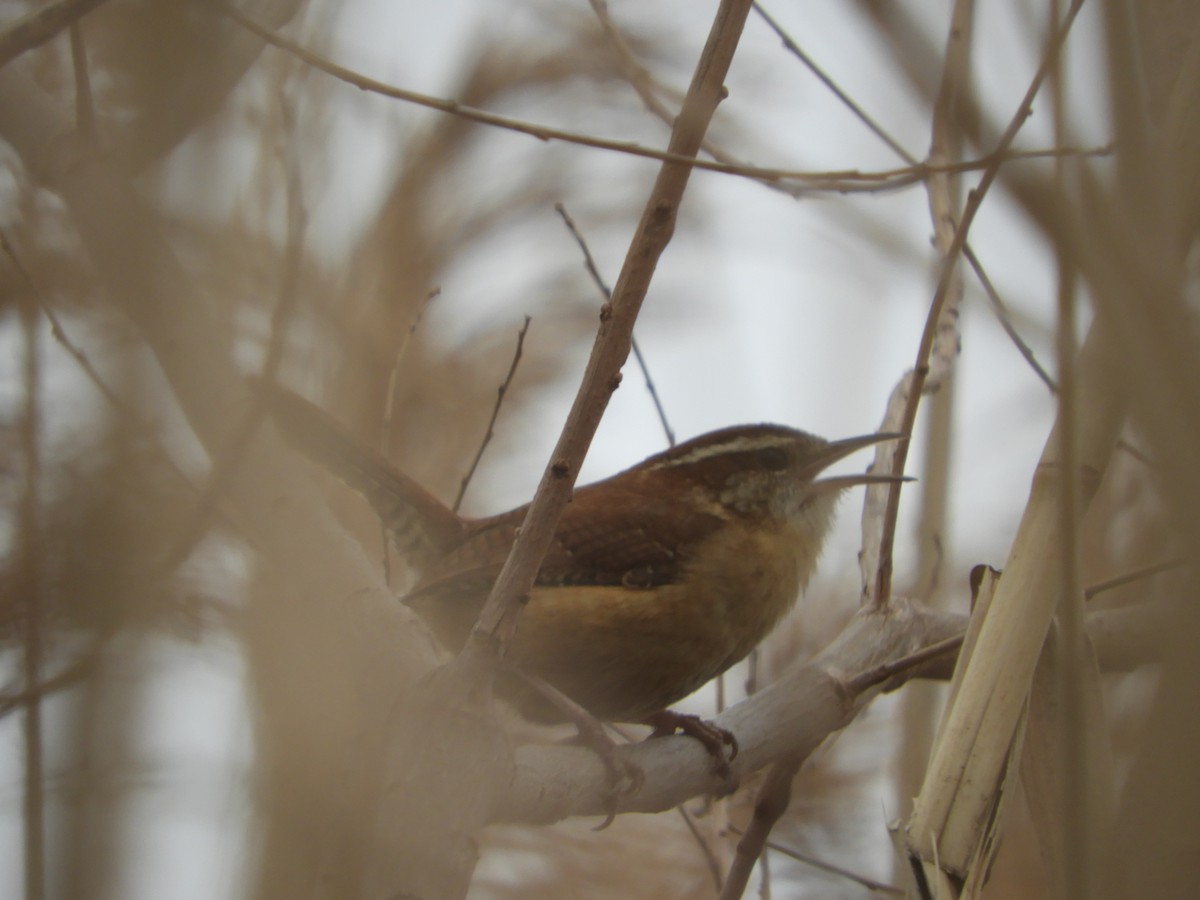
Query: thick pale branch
[
  {"x": 793, "y": 715},
  {"x": 790, "y": 717}
]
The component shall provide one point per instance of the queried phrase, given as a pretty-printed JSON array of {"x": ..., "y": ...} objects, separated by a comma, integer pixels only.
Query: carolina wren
[{"x": 659, "y": 578}]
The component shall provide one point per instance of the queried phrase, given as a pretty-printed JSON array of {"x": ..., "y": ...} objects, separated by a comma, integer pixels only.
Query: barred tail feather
[{"x": 422, "y": 527}]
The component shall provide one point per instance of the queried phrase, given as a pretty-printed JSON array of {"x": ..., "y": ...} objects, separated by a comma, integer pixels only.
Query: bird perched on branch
[{"x": 658, "y": 579}]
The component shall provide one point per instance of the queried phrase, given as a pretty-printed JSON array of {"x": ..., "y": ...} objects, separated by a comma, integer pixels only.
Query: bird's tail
[{"x": 422, "y": 527}]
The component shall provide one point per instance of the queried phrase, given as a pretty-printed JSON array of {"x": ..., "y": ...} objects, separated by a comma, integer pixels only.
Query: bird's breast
[{"x": 625, "y": 653}]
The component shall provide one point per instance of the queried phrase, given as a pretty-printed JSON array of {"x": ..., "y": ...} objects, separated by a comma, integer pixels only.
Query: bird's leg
[
  {"x": 624, "y": 776},
  {"x": 714, "y": 738}
]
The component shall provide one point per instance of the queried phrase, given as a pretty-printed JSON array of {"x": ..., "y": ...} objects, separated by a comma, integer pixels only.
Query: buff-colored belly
[{"x": 626, "y": 653}]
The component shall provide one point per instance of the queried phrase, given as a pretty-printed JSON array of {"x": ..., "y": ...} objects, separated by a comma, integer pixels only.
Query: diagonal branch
[{"x": 603, "y": 373}]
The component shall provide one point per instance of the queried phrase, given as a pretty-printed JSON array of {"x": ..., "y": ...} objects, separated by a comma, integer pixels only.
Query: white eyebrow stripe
[{"x": 741, "y": 443}]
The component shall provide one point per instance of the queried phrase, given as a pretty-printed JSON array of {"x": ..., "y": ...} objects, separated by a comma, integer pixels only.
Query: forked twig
[
  {"x": 710, "y": 858},
  {"x": 590, "y": 263}
]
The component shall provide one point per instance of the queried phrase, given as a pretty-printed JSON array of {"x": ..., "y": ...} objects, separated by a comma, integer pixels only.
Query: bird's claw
[{"x": 714, "y": 738}]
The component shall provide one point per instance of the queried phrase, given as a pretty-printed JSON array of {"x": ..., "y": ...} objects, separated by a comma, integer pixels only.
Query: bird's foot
[
  {"x": 714, "y": 738},
  {"x": 624, "y": 776}
]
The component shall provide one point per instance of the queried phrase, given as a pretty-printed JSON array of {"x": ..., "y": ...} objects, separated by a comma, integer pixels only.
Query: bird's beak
[{"x": 837, "y": 450}]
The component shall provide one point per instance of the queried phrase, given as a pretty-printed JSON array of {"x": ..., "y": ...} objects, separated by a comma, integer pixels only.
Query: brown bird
[{"x": 659, "y": 578}]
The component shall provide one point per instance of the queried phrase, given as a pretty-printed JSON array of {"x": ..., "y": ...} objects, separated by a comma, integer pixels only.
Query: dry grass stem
[
  {"x": 878, "y": 568},
  {"x": 953, "y": 817}
]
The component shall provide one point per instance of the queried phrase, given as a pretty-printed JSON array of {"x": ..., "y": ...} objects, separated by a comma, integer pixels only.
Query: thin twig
[
  {"x": 1108, "y": 584},
  {"x": 710, "y": 858},
  {"x": 500, "y": 394},
  {"x": 60, "y": 335},
  {"x": 648, "y": 89},
  {"x": 1075, "y": 764},
  {"x": 864, "y": 681},
  {"x": 598, "y": 279},
  {"x": 833, "y": 86},
  {"x": 134, "y": 420},
  {"x": 644, "y": 84},
  {"x": 844, "y": 181},
  {"x": 1005, "y": 319},
  {"x": 772, "y": 801},
  {"x": 993, "y": 295},
  {"x": 882, "y": 584},
  {"x": 942, "y": 326},
  {"x": 829, "y": 867},
  {"x": 1137, "y": 453}
]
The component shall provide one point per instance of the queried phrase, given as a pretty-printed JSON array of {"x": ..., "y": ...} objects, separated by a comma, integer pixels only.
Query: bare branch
[
  {"x": 598, "y": 279},
  {"x": 1005, "y": 319},
  {"x": 878, "y": 130},
  {"x": 825, "y": 79},
  {"x": 772, "y": 801},
  {"x": 793, "y": 715},
  {"x": 500, "y": 392},
  {"x": 845, "y": 181},
  {"x": 603, "y": 373}
]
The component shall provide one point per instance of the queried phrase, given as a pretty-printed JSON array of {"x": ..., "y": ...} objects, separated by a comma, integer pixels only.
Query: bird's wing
[{"x": 614, "y": 547}]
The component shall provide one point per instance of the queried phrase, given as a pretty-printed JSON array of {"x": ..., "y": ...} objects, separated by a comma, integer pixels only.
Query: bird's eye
[{"x": 773, "y": 458}]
